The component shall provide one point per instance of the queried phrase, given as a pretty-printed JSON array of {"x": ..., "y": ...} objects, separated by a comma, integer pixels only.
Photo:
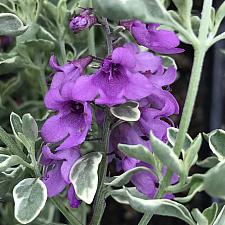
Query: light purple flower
[
  {"x": 82, "y": 21},
  {"x": 152, "y": 37},
  {"x": 73, "y": 118},
  {"x": 58, "y": 166},
  {"x": 120, "y": 77},
  {"x": 155, "y": 111}
]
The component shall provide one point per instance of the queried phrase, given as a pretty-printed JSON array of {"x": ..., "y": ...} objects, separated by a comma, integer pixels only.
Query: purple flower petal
[
  {"x": 53, "y": 180},
  {"x": 150, "y": 36},
  {"x": 74, "y": 201}
]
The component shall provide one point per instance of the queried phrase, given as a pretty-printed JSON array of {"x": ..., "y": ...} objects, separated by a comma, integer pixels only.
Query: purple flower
[
  {"x": 58, "y": 166},
  {"x": 82, "y": 21},
  {"x": 119, "y": 78},
  {"x": 150, "y": 36},
  {"x": 144, "y": 181},
  {"x": 155, "y": 111},
  {"x": 73, "y": 118}
]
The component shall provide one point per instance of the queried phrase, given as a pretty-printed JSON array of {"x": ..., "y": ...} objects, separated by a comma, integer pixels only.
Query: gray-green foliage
[
  {"x": 30, "y": 196},
  {"x": 40, "y": 28},
  {"x": 84, "y": 176}
]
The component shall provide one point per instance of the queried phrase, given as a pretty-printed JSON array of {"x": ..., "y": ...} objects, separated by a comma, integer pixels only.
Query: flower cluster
[{"x": 125, "y": 75}]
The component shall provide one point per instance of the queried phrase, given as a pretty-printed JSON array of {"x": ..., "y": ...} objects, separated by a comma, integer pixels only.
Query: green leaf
[
  {"x": 10, "y": 143},
  {"x": 191, "y": 154},
  {"x": 166, "y": 155},
  {"x": 120, "y": 195},
  {"x": 9, "y": 179},
  {"x": 211, "y": 213},
  {"x": 4, "y": 184},
  {"x": 149, "y": 11},
  {"x": 168, "y": 61},
  {"x": 138, "y": 152},
  {"x": 199, "y": 218},
  {"x": 16, "y": 123},
  {"x": 30, "y": 196},
  {"x": 10, "y": 63},
  {"x": 7, "y": 161},
  {"x": 172, "y": 135},
  {"x": 40, "y": 44},
  {"x": 208, "y": 162},
  {"x": 196, "y": 186},
  {"x": 214, "y": 181},
  {"x": 161, "y": 207},
  {"x": 217, "y": 143},
  {"x": 220, "y": 220},
  {"x": 127, "y": 112},
  {"x": 124, "y": 178},
  {"x": 84, "y": 176},
  {"x": 220, "y": 14},
  {"x": 29, "y": 127},
  {"x": 184, "y": 8},
  {"x": 10, "y": 87},
  {"x": 10, "y": 24},
  {"x": 195, "y": 23}
]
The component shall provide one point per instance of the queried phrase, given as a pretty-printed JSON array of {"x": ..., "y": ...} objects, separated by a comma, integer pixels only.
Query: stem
[
  {"x": 34, "y": 162},
  {"x": 91, "y": 41},
  {"x": 200, "y": 51},
  {"x": 43, "y": 84},
  {"x": 145, "y": 219},
  {"x": 108, "y": 35},
  {"x": 91, "y": 36},
  {"x": 62, "y": 50},
  {"x": 101, "y": 194},
  {"x": 57, "y": 201}
]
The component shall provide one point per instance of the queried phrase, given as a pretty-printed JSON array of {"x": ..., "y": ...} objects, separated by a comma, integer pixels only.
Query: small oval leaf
[
  {"x": 214, "y": 182},
  {"x": 16, "y": 123},
  {"x": 217, "y": 143},
  {"x": 10, "y": 24},
  {"x": 191, "y": 154},
  {"x": 220, "y": 220},
  {"x": 30, "y": 196},
  {"x": 84, "y": 176},
  {"x": 29, "y": 127},
  {"x": 172, "y": 135},
  {"x": 127, "y": 112}
]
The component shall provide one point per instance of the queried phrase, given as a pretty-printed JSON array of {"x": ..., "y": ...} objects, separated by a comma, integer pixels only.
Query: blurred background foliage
[{"x": 25, "y": 76}]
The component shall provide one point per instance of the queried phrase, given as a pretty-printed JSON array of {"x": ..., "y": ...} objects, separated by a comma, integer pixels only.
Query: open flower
[
  {"x": 120, "y": 77},
  {"x": 82, "y": 21},
  {"x": 152, "y": 37},
  {"x": 58, "y": 166},
  {"x": 73, "y": 118},
  {"x": 156, "y": 110}
]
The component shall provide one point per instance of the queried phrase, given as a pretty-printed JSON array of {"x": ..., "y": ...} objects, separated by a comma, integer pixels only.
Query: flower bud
[{"x": 82, "y": 21}]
